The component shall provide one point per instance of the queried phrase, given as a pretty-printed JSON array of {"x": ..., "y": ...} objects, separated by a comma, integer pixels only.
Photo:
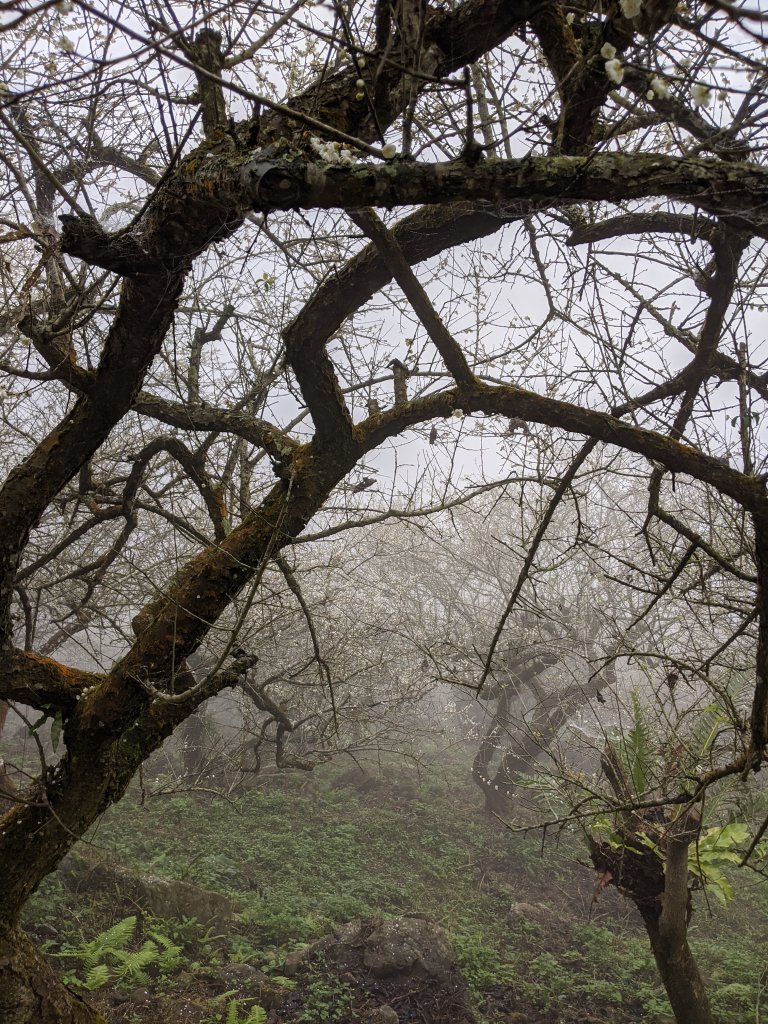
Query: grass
[{"x": 313, "y": 853}]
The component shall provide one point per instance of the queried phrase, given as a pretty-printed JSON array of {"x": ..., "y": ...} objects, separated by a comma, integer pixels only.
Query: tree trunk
[
  {"x": 668, "y": 930},
  {"x": 680, "y": 974},
  {"x": 660, "y": 892},
  {"x": 30, "y": 992}
]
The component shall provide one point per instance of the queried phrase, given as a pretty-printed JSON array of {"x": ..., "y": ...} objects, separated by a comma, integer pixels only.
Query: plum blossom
[
  {"x": 615, "y": 71},
  {"x": 701, "y": 96},
  {"x": 660, "y": 88}
]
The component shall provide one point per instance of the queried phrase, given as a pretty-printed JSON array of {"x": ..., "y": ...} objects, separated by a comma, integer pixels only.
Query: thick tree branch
[
  {"x": 42, "y": 683},
  {"x": 400, "y": 269}
]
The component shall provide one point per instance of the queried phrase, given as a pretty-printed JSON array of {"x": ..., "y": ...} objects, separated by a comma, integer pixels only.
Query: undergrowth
[{"x": 302, "y": 857}]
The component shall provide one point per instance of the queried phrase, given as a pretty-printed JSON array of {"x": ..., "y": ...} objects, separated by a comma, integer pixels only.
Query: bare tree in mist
[{"x": 214, "y": 347}]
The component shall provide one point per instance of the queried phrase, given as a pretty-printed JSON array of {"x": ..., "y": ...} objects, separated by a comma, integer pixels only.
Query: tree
[{"x": 190, "y": 264}]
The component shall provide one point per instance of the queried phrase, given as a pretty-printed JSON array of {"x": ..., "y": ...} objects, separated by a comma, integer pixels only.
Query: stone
[
  {"x": 408, "y": 945},
  {"x": 382, "y": 1015},
  {"x": 244, "y": 976},
  {"x": 162, "y": 897},
  {"x": 173, "y": 899},
  {"x": 141, "y": 997},
  {"x": 294, "y": 961},
  {"x": 349, "y": 931}
]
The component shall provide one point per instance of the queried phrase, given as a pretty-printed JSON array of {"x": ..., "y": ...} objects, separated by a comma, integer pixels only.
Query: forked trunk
[
  {"x": 659, "y": 890},
  {"x": 30, "y": 992}
]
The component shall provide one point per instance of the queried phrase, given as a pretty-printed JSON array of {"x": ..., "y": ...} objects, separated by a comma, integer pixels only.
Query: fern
[
  {"x": 169, "y": 954},
  {"x": 637, "y": 750},
  {"x": 256, "y": 1015},
  {"x": 129, "y": 966},
  {"x": 108, "y": 958},
  {"x": 91, "y": 954},
  {"x": 118, "y": 936},
  {"x": 96, "y": 977},
  {"x": 709, "y": 723}
]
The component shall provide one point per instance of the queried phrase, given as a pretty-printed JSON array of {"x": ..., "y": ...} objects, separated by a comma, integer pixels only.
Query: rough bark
[
  {"x": 679, "y": 973},
  {"x": 737, "y": 192},
  {"x": 659, "y": 890},
  {"x": 30, "y": 992}
]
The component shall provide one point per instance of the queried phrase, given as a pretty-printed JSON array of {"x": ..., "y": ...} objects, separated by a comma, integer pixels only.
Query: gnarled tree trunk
[
  {"x": 659, "y": 890},
  {"x": 30, "y": 992}
]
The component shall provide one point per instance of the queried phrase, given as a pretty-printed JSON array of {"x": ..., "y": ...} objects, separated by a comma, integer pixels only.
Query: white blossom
[
  {"x": 389, "y": 152},
  {"x": 570, "y": 18},
  {"x": 608, "y": 52},
  {"x": 457, "y": 414},
  {"x": 630, "y": 8},
  {"x": 650, "y": 95},
  {"x": 701, "y": 95},
  {"x": 615, "y": 71},
  {"x": 331, "y": 152},
  {"x": 660, "y": 88},
  {"x": 65, "y": 44}
]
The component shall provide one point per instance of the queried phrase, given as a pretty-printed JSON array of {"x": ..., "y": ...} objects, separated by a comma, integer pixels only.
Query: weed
[{"x": 327, "y": 998}]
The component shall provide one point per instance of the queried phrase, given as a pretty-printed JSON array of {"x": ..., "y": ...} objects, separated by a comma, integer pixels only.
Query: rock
[
  {"x": 408, "y": 945},
  {"x": 244, "y": 976},
  {"x": 349, "y": 931},
  {"x": 174, "y": 899},
  {"x": 141, "y": 997},
  {"x": 382, "y": 1015},
  {"x": 82, "y": 871},
  {"x": 138, "y": 997},
  {"x": 294, "y": 961}
]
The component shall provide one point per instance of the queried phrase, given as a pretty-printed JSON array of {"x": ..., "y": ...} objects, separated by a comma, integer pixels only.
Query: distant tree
[{"x": 201, "y": 310}]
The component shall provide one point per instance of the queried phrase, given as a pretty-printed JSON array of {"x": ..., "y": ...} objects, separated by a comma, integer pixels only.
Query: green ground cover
[{"x": 307, "y": 853}]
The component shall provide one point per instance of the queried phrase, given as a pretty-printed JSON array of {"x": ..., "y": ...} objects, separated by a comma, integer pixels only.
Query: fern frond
[
  {"x": 102, "y": 946},
  {"x": 638, "y": 750},
  {"x": 130, "y": 964},
  {"x": 96, "y": 977},
  {"x": 169, "y": 955}
]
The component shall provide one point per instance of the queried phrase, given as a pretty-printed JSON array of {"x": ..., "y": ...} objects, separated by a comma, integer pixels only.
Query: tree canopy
[{"x": 275, "y": 272}]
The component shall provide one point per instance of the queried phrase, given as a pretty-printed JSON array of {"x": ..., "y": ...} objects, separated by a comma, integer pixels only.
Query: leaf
[
  {"x": 32, "y": 729},
  {"x": 96, "y": 977},
  {"x": 119, "y": 935},
  {"x": 56, "y": 728},
  {"x": 719, "y": 840},
  {"x": 169, "y": 955},
  {"x": 106, "y": 944},
  {"x": 637, "y": 748}
]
